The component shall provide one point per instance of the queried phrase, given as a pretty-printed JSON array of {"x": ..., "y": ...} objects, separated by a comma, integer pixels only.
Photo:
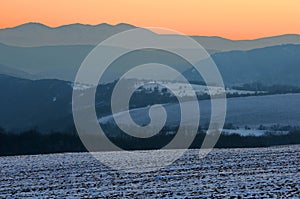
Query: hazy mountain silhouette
[
  {"x": 15, "y": 72},
  {"x": 270, "y": 65},
  {"x": 57, "y": 62},
  {"x": 36, "y": 34},
  {"x": 47, "y": 62},
  {"x": 221, "y": 44}
]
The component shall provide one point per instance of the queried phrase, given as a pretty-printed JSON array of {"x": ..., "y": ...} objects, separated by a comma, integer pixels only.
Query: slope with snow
[
  {"x": 182, "y": 89},
  {"x": 252, "y": 111}
]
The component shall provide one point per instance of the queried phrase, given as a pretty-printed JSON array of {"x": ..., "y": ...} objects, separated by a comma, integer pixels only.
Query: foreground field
[{"x": 255, "y": 172}]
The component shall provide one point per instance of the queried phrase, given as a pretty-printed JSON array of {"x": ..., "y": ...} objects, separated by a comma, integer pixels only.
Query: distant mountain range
[
  {"x": 36, "y": 34},
  {"x": 219, "y": 44},
  {"x": 35, "y": 51},
  {"x": 269, "y": 65},
  {"x": 11, "y": 71},
  {"x": 46, "y": 62}
]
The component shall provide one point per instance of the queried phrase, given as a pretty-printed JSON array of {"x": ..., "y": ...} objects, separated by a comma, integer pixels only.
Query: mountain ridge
[
  {"x": 269, "y": 65},
  {"x": 34, "y": 34},
  {"x": 62, "y": 62},
  {"x": 38, "y": 24}
]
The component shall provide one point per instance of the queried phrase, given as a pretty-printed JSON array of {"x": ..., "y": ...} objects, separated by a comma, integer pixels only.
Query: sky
[{"x": 233, "y": 19}]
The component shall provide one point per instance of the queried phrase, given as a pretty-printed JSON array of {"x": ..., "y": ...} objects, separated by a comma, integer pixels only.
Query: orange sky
[{"x": 235, "y": 19}]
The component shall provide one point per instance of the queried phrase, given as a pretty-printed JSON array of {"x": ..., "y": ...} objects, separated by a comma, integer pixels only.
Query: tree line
[{"x": 35, "y": 142}]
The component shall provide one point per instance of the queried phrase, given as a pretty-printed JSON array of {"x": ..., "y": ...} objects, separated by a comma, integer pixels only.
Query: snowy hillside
[
  {"x": 182, "y": 89},
  {"x": 252, "y": 111}
]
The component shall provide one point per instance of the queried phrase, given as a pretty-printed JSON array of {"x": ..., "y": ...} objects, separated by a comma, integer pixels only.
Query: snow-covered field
[{"x": 249, "y": 173}]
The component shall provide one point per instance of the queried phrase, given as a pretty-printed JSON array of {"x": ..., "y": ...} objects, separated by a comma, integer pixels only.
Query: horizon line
[{"x": 128, "y": 24}]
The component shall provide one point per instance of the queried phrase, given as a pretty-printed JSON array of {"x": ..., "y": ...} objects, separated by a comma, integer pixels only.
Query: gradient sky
[{"x": 235, "y": 19}]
